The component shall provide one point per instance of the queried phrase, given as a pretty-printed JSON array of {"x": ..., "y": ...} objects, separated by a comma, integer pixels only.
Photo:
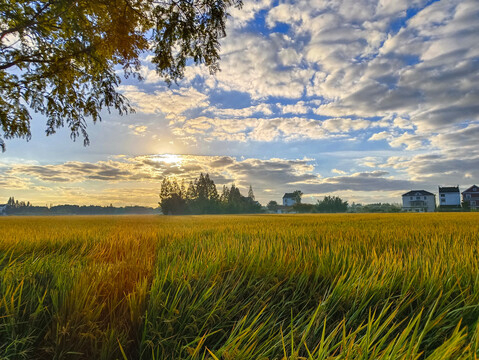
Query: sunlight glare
[{"x": 170, "y": 159}]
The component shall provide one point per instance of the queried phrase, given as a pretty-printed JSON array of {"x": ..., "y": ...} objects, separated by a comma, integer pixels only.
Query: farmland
[{"x": 403, "y": 286}]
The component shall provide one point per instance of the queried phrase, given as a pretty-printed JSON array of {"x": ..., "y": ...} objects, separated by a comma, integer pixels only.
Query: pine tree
[
  {"x": 172, "y": 199},
  {"x": 250, "y": 193},
  {"x": 165, "y": 189},
  {"x": 212, "y": 192},
  {"x": 191, "y": 192},
  {"x": 225, "y": 194}
]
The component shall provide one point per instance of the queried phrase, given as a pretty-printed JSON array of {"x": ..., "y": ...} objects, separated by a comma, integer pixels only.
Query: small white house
[
  {"x": 419, "y": 201},
  {"x": 449, "y": 196},
  {"x": 3, "y": 210},
  {"x": 289, "y": 199}
]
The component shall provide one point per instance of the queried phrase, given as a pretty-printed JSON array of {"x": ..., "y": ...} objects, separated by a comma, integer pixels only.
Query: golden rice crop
[{"x": 353, "y": 286}]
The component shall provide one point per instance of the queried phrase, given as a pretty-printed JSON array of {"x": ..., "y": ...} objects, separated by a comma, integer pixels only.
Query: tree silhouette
[
  {"x": 201, "y": 197},
  {"x": 297, "y": 196}
]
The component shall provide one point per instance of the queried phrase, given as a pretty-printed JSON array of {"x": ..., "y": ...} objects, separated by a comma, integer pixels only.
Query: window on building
[
  {"x": 418, "y": 198},
  {"x": 443, "y": 195},
  {"x": 468, "y": 196},
  {"x": 411, "y": 197}
]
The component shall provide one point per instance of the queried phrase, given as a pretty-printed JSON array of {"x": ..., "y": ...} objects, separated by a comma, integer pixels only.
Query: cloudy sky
[{"x": 364, "y": 99}]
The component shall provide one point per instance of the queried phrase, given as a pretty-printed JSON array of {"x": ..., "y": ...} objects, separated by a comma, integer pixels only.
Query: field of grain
[{"x": 403, "y": 286}]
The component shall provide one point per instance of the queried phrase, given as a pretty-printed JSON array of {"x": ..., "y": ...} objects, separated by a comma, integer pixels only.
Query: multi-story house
[
  {"x": 289, "y": 199},
  {"x": 449, "y": 196},
  {"x": 419, "y": 201},
  {"x": 471, "y": 197}
]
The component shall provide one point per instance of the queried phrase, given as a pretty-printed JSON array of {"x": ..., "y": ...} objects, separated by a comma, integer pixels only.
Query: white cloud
[
  {"x": 138, "y": 130},
  {"x": 411, "y": 141},
  {"x": 169, "y": 102},
  {"x": 300, "y": 107},
  {"x": 380, "y": 136},
  {"x": 352, "y": 66},
  {"x": 264, "y": 109},
  {"x": 262, "y": 67},
  {"x": 250, "y": 8},
  {"x": 267, "y": 129},
  {"x": 134, "y": 180},
  {"x": 370, "y": 161}
]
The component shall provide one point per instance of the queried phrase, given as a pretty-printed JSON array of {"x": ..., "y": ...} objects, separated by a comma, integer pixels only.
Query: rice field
[{"x": 353, "y": 286}]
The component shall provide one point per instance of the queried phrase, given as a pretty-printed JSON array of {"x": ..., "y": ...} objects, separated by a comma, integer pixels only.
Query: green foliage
[
  {"x": 172, "y": 197},
  {"x": 331, "y": 204},
  {"x": 202, "y": 197},
  {"x": 195, "y": 26},
  {"x": 297, "y": 196},
  {"x": 15, "y": 204},
  {"x": 375, "y": 208},
  {"x": 22, "y": 208},
  {"x": 303, "y": 208},
  {"x": 232, "y": 202},
  {"x": 59, "y": 57},
  {"x": 272, "y": 205},
  {"x": 251, "y": 193}
]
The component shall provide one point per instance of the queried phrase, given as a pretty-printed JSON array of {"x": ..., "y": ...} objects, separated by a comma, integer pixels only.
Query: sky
[{"x": 362, "y": 99}]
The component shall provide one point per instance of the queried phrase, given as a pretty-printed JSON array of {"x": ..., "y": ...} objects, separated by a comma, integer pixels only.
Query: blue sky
[{"x": 364, "y": 99}]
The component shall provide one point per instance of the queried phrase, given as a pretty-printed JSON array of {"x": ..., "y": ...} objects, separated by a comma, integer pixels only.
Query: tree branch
[
  {"x": 27, "y": 23},
  {"x": 33, "y": 59}
]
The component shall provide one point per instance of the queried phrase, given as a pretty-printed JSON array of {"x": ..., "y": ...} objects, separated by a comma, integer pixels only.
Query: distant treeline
[
  {"x": 375, "y": 208},
  {"x": 201, "y": 197},
  {"x": 12, "y": 203},
  {"x": 20, "y": 208},
  {"x": 334, "y": 204},
  {"x": 330, "y": 204}
]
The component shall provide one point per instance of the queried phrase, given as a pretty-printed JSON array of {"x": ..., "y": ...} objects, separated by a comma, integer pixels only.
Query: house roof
[
  {"x": 288, "y": 196},
  {"x": 417, "y": 193},
  {"x": 472, "y": 189},
  {"x": 449, "y": 189}
]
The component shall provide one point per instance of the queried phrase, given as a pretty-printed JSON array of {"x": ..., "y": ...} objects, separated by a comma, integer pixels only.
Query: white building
[
  {"x": 419, "y": 201},
  {"x": 289, "y": 199},
  {"x": 449, "y": 196},
  {"x": 3, "y": 210}
]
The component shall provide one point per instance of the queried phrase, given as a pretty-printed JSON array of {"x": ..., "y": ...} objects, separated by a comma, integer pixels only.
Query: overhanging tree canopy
[{"x": 59, "y": 57}]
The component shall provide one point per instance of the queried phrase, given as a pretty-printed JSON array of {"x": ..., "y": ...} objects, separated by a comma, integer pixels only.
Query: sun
[{"x": 170, "y": 159}]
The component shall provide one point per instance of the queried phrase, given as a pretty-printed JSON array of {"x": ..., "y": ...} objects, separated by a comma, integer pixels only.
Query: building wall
[
  {"x": 288, "y": 202},
  {"x": 450, "y": 199},
  {"x": 472, "y": 199},
  {"x": 474, "y": 204},
  {"x": 419, "y": 203}
]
